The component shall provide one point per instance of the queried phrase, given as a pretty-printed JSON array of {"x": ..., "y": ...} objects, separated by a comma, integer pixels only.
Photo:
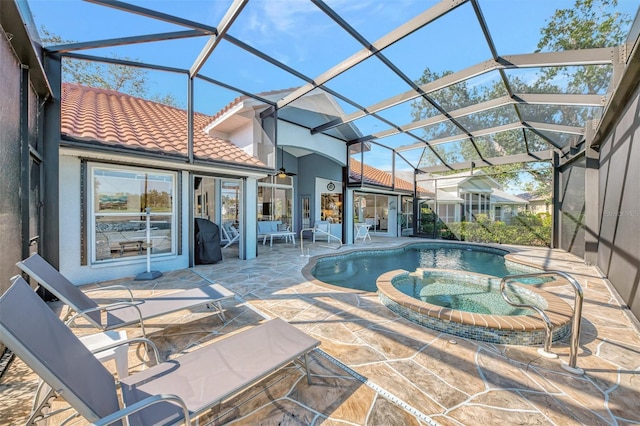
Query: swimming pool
[{"x": 359, "y": 270}]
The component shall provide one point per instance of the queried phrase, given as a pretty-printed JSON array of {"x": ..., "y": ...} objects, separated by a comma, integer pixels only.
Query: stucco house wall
[{"x": 71, "y": 215}]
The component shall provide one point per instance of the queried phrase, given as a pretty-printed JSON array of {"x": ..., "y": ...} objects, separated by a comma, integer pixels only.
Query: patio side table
[{"x": 120, "y": 354}]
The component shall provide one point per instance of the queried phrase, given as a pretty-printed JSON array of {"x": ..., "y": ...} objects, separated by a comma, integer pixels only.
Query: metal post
[
  {"x": 148, "y": 229},
  {"x": 50, "y": 241},
  {"x": 591, "y": 184},
  {"x": 575, "y": 327},
  {"x": 435, "y": 208},
  {"x": 149, "y": 274},
  {"x": 555, "y": 218}
]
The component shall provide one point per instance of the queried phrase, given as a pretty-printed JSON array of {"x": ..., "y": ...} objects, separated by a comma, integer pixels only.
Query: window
[
  {"x": 447, "y": 212},
  {"x": 275, "y": 199},
  {"x": 305, "y": 201},
  {"x": 331, "y": 207},
  {"x": 118, "y": 199},
  {"x": 204, "y": 198},
  {"x": 475, "y": 204}
]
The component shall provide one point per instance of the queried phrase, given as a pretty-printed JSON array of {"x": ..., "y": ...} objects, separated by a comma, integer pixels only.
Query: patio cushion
[
  {"x": 232, "y": 364},
  {"x": 268, "y": 226}
]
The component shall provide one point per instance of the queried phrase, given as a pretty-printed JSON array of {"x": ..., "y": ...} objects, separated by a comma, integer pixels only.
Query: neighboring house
[
  {"x": 119, "y": 153},
  {"x": 463, "y": 196},
  {"x": 386, "y": 202},
  {"x": 537, "y": 203}
]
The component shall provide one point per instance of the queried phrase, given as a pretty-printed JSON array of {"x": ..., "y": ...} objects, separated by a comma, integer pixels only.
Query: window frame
[{"x": 92, "y": 213}]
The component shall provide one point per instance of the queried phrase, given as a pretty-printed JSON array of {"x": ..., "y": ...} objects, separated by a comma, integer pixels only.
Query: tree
[
  {"x": 499, "y": 144},
  {"x": 588, "y": 24},
  {"x": 131, "y": 80}
]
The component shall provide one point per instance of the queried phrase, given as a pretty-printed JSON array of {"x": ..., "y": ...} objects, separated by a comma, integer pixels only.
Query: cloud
[
  {"x": 283, "y": 29},
  {"x": 360, "y": 10},
  {"x": 283, "y": 16},
  {"x": 271, "y": 22}
]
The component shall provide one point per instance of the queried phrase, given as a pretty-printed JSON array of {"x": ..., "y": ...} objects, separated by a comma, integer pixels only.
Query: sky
[
  {"x": 299, "y": 35},
  {"x": 296, "y": 33}
]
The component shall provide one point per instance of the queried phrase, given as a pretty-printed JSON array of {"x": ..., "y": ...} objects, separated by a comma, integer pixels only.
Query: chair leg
[
  {"x": 219, "y": 312},
  {"x": 306, "y": 366},
  {"x": 41, "y": 401}
]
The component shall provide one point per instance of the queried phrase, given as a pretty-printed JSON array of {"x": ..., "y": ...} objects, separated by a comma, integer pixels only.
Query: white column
[
  {"x": 250, "y": 234},
  {"x": 347, "y": 205}
]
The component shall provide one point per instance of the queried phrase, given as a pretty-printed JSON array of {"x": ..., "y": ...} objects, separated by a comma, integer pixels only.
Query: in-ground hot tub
[{"x": 491, "y": 322}]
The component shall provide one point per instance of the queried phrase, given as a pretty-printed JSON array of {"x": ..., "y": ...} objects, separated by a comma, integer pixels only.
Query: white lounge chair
[
  {"x": 168, "y": 393},
  {"x": 121, "y": 313},
  {"x": 231, "y": 234}
]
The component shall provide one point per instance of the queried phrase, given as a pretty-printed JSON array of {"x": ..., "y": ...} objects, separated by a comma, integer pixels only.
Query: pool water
[
  {"x": 451, "y": 293},
  {"x": 360, "y": 270}
]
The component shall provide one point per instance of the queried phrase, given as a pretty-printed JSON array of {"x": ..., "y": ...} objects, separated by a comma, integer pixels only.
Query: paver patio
[{"x": 376, "y": 368}]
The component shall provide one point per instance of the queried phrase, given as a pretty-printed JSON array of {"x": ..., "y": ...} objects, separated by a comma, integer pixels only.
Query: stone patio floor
[{"x": 376, "y": 368}]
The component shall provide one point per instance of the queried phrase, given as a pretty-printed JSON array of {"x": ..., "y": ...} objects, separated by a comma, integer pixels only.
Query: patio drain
[{"x": 380, "y": 391}]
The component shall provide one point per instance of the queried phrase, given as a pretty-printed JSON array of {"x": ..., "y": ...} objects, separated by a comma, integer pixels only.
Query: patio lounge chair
[
  {"x": 231, "y": 234},
  {"x": 121, "y": 313},
  {"x": 167, "y": 393}
]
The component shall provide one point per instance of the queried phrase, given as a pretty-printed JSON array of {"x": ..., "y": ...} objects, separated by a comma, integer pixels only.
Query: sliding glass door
[
  {"x": 275, "y": 200},
  {"x": 219, "y": 201},
  {"x": 373, "y": 209}
]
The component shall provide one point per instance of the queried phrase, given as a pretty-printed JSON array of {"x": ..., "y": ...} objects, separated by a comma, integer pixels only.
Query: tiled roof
[
  {"x": 100, "y": 116},
  {"x": 374, "y": 176}
]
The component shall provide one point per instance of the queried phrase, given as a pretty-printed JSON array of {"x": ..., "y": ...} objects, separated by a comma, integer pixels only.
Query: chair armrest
[
  {"x": 106, "y": 308},
  {"x": 144, "y": 340},
  {"x": 110, "y": 287},
  {"x": 140, "y": 405}
]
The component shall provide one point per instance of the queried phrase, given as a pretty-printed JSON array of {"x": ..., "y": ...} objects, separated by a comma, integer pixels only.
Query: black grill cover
[{"x": 207, "y": 239}]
